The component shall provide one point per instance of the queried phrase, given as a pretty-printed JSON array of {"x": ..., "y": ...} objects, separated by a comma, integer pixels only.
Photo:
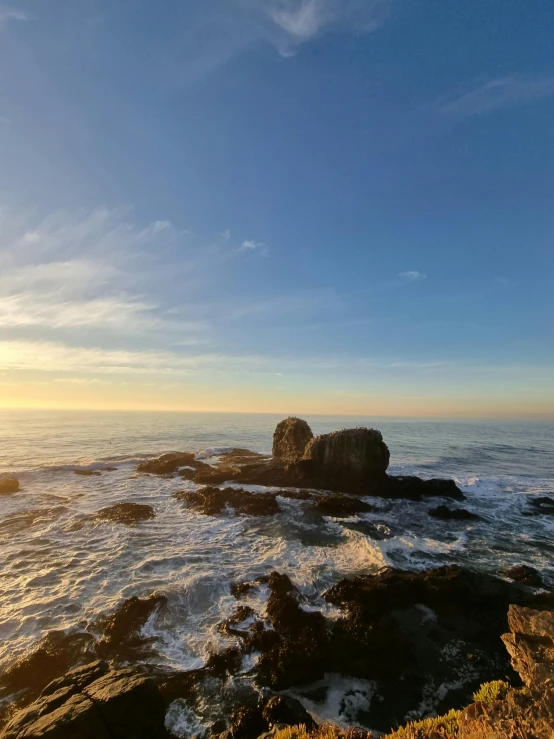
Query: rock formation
[
  {"x": 126, "y": 513},
  {"x": 290, "y": 439},
  {"x": 351, "y": 458},
  {"x": 93, "y": 703}
]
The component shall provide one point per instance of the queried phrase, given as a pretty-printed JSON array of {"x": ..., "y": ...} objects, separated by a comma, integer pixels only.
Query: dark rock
[
  {"x": 414, "y": 488},
  {"x": 78, "y": 679},
  {"x": 242, "y": 614},
  {"x": 295, "y": 494},
  {"x": 187, "y": 474},
  {"x": 290, "y": 439},
  {"x": 340, "y": 506},
  {"x": 525, "y": 575},
  {"x": 216, "y": 475},
  {"x": 8, "y": 486},
  {"x": 212, "y": 501},
  {"x": 282, "y": 709},
  {"x": 56, "y": 654},
  {"x": 452, "y": 514},
  {"x": 167, "y": 464},
  {"x": 238, "y": 589},
  {"x": 542, "y": 504},
  {"x": 248, "y": 723},
  {"x": 121, "y": 629},
  {"x": 293, "y": 652},
  {"x": 350, "y": 459},
  {"x": 130, "y": 705},
  {"x": 116, "y": 705},
  {"x": 239, "y": 456},
  {"x": 87, "y": 473},
  {"x": 56, "y": 718},
  {"x": 227, "y": 662},
  {"x": 126, "y": 513}
]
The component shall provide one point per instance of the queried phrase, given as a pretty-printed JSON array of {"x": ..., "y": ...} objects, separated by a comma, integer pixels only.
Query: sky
[{"x": 318, "y": 206}]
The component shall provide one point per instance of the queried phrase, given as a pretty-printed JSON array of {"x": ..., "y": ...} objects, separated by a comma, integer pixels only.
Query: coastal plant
[
  {"x": 446, "y": 726},
  {"x": 490, "y": 692}
]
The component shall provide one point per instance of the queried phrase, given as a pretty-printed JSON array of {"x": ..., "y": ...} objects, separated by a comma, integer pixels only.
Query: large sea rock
[
  {"x": 290, "y": 439},
  {"x": 350, "y": 459}
]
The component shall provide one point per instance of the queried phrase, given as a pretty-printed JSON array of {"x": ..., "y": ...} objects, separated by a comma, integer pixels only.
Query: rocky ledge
[{"x": 411, "y": 637}]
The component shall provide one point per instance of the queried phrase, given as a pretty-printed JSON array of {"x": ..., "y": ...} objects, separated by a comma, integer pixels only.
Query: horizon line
[{"x": 548, "y": 416}]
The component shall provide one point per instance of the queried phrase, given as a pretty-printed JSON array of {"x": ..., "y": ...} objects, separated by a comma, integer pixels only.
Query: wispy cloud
[
  {"x": 221, "y": 30},
  {"x": 412, "y": 276},
  {"x": 12, "y": 14},
  {"x": 251, "y": 245},
  {"x": 294, "y": 22},
  {"x": 497, "y": 94}
]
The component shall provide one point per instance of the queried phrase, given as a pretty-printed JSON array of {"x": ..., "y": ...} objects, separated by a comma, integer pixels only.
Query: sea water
[{"x": 61, "y": 567}]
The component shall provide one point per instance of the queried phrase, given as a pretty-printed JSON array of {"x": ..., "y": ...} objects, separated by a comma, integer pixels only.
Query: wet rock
[
  {"x": 341, "y": 506},
  {"x": 167, "y": 464},
  {"x": 282, "y": 709},
  {"x": 240, "y": 456},
  {"x": 56, "y": 654},
  {"x": 290, "y": 439},
  {"x": 414, "y": 488},
  {"x": 121, "y": 629},
  {"x": 117, "y": 705},
  {"x": 227, "y": 662},
  {"x": 248, "y": 722},
  {"x": 241, "y": 615},
  {"x": 351, "y": 459},
  {"x": 87, "y": 473},
  {"x": 293, "y": 651},
  {"x": 126, "y": 513},
  {"x": 212, "y": 501},
  {"x": 407, "y": 631},
  {"x": 542, "y": 504},
  {"x": 216, "y": 475},
  {"x": 188, "y": 473},
  {"x": 452, "y": 514},
  {"x": 8, "y": 486},
  {"x": 525, "y": 575},
  {"x": 295, "y": 494}
]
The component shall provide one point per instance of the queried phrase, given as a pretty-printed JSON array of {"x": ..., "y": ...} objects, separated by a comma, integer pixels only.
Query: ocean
[{"x": 61, "y": 568}]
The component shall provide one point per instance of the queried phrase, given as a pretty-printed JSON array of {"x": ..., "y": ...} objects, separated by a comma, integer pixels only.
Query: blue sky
[{"x": 293, "y": 205}]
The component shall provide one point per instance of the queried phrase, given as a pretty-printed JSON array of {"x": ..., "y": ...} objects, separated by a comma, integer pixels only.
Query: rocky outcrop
[
  {"x": 93, "y": 703},
  {"x": 351, "y": 458},
  {"x": 213, "y": 500},
  {"x": 290, "y": 439},
  {"x": 167, "y": 464},
  {"x": 126, "y": 513},
  {"x": 525, "y": 575},
  {"x": 405, "y": 631},
  {"x": 352, "y": 461},
  {"x": 340, "y": 506},
  {"x": 452, "y": 514},
  {"x": 9, "y": 485},
  {"x": 521, "y": 713}
]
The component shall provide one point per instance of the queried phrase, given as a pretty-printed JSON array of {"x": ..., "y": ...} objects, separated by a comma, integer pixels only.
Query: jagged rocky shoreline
[{"x": 408, "y": 640}]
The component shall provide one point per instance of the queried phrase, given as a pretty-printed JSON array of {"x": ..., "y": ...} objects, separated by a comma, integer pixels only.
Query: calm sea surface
[{"x": 61, "y": 568}]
